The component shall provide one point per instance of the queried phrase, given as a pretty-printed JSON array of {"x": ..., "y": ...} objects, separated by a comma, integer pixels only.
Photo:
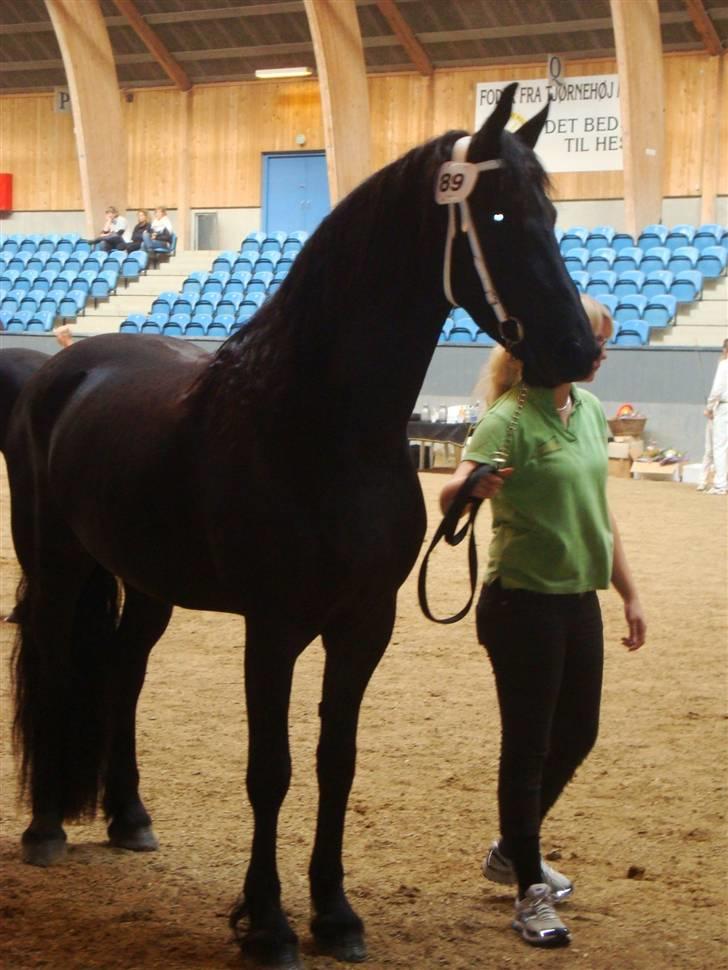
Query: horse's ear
[
  {"x": 486, "y": 141},
  {"x": 531, "y": 129}
]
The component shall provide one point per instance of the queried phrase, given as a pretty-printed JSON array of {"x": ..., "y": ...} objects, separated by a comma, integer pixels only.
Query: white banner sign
[{"x": 583, "y": 132}]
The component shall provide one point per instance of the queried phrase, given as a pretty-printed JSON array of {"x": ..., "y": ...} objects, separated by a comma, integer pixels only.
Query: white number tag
[{"x": 455, "y": 182}]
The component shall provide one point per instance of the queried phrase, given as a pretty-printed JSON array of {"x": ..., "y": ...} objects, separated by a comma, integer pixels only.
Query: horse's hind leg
[
  {"x": 354, "y": 645},
  {"x": 67, "y": 616},
  {"x": 143, "y": 622}
]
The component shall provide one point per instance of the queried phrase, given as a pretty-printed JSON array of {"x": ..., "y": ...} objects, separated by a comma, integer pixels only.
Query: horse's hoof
[
  {"x": 136, "y": 840},
  {"x": 43, "y": 852},
  {"x": 272, "y": 956},
  {"x": 350, "y": 948}
]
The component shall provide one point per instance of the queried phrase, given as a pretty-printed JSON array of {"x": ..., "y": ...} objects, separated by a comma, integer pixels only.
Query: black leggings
[{"x": 547, "y": 656}]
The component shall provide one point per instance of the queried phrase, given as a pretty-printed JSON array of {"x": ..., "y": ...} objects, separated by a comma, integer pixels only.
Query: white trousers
[{"x": 720, "y": 446}]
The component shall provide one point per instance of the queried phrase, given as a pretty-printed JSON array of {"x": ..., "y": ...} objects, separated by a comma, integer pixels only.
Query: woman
[
  {"x": 112, "y": 233},
  {"x": 158, "y": 238},
  {"x": 554, "y": 544},
  {"x": 137, "y": 234}
]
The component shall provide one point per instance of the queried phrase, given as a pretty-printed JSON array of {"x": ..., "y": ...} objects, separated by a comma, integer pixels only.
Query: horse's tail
[
  {"x": 16, "y": 367},
  {"x": 62, "y": 688}
]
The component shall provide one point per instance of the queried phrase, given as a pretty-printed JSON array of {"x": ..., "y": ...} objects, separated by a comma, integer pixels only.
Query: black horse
[{"x": 272, "y": 480}]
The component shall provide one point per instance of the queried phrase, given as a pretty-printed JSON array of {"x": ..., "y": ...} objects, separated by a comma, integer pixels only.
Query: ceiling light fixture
[{"x": 276, "y": 72}]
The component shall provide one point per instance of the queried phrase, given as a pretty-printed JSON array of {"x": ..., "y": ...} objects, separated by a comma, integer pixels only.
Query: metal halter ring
[{"x": 508, "y": 340}]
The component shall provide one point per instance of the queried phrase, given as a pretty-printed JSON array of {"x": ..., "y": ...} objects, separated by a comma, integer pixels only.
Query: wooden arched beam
[
  {"x": 153, "y": 44},
  {"x": 639, "y": 58},
  {"x": 96, "y": 105},
  {"x": 405, "y": 35},
  {"x": 344, "y": 95}
]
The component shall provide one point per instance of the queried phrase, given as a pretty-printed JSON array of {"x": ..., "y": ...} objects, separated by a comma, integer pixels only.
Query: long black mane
[{"x": 345, "y": 272}]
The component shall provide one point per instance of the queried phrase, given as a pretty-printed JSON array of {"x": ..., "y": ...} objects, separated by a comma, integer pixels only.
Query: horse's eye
[{"x": 498, "y": 217}]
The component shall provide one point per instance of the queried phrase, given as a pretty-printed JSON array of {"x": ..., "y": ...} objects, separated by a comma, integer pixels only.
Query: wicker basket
[{"x": 627, "y": 426}]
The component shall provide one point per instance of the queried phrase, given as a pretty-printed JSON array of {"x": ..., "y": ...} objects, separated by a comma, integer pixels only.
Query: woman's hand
[
  {"x": 635, "y": 623},
  {"x": 485, "y": 487}
]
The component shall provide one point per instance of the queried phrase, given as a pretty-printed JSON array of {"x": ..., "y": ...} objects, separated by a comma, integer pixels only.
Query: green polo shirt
[{"x": 551, "y": 531}]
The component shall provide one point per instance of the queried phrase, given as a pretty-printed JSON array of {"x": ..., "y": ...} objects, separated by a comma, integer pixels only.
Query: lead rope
[{"x": 448, "y": 527}]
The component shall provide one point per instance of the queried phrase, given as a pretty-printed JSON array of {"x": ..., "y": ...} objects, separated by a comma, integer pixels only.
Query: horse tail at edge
[{"x": 62, "y": 686}]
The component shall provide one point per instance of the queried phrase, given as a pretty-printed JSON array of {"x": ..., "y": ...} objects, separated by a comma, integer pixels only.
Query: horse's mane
[{"x": 278, "y": 352}]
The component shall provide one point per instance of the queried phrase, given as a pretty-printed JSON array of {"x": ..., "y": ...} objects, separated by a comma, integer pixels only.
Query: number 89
[{"x": 451, "y": 183}]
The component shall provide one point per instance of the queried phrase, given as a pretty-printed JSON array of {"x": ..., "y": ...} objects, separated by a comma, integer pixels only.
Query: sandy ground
[{"x": 650, "y": 800}]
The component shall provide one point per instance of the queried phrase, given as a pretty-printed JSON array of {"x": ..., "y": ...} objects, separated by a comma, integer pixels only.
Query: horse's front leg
[
  {"x": 354, "y": 647},
  {"x": 270, "y": 655}
]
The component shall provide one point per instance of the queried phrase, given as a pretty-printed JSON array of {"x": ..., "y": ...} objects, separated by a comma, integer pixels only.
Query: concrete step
[
  {"x": 705, "y": 312},
  {"x": 694, "y": 336},
  {"x": 716, "y": 289}
]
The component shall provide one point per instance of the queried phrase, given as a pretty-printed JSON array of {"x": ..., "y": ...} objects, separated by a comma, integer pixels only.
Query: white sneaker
[
  {"x": 717, "y": 491},
  {"x": 499, "y": 868},
  {"x": 702, "y": 487},
  {"x": 536, "y": 920}
]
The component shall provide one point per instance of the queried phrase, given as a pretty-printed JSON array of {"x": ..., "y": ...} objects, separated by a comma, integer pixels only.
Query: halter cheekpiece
[{"x": 456, "y": 179}]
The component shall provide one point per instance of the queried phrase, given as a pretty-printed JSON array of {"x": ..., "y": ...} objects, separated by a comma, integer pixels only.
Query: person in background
[
  {"x": 112, "y": 233},
  {"x": 716, "y": 412},
  {"x": 158, "y": 238},
  {"x": 137, "y": 234},
  {"x": 554, "y": 544}
]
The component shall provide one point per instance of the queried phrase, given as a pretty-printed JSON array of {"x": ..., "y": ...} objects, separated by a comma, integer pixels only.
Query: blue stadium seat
[
  {"x": 218, "y": 329},
  {"x": 580, "y": 278},
  {"x": 629, "y": 257},
  {"x": 151, "y": 326},
  {"x": 192, "y": 286},
  {"x": 687, "y": 286},
  {"x": 246, "y": 263},
  {"x": 196, "y": 329},
  {"x": 600, "y": 237},
  {"x": 165, "y": 300},
  {"x": 184, "y": 304},
  {"x": 283, "y": 265},
  {"x": 601, "y": 258},
  {"x": 629, "y": 281},
  {"x": 660, "y": 310},
  {"x": 484, "y": 339},
  {"x": 657, "y": 257},
  {"x": 259, "y": 283},
  {"x": 267, "y": 262},
  {"x": 157, "y": 318},
  {"x": 273, "y": 242},
  {"x": 631, "y": 333},
  {"x": 708, "y": 234},
  {"x": 460, "y": 335},
  {"x": 229, "y": 303},
  {"x": 19, "y": 321},
  {"x": 224, "y": 261},
  {"x": 573, "y": 238},
  {"x": 294, "y": 243},
  {"x": 237, "y": 283},
  {"x": 657, "y": 282},
  {"x": 134, "y": 265},
  {"x": 684, "y": 257},
  {"x": 10, "y": 245},
  {"x": 41, "y": 322},
  {"x": 653, "y": 235},
  {"x": 207, "y": 303},
  {"x": 56, "y": 262},
  {"x": 28, "y": 303},
  {"x": 104, "y": 285},
  {"x": 254, "y": 300},
  {"x": 180, "y": 319},
  {"x": 680, "y": 235},
  {"x": 712, "y": 261},
  {"x": 576, "y": 258},
  {"x": 216, "y": 282},
  {"x": 173, "y": 328},
  {"x": 630, "y": 307},
  {"x": 133, "y": 323},
  {"x": 252, "y": 242},
  {"x": 202, "y": 318},
  {"x": 73, "y": 302}
]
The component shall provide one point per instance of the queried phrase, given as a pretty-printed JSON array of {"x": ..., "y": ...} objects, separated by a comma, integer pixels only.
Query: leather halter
[{"x": 456, "y": 179}]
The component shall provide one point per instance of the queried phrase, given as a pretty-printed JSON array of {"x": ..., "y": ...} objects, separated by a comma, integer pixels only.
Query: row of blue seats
[
  {"x": 280, "y": 242},
  {"x": 631, "y": 333},
  {"x": 658, "y": 311},
  {"x": 684, "y": 234},
  {"x": 711, "y": 262},
  {"x": 43, "y": 243},
  {"x": 178, "y": 326},
  {"x": 221, "y": 281},
  {"x": 252, "y": 262},
  {"x": 605, "y": 281},
  {"x": 686, "y": 286},
  {"x": 129, "y": 267}
]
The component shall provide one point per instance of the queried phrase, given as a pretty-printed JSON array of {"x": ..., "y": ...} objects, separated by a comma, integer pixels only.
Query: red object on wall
[{"x": 6, "y": 192}]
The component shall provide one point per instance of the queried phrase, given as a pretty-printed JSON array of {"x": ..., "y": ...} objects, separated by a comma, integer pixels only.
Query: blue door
[{"x": 295, "y": 191}]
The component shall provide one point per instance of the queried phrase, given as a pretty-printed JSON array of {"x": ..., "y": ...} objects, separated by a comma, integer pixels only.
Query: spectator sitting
[
  {"x": 137, "y": 234},
  {"x": 158, "y": 239},
  {"x": 112, "y": 234}
]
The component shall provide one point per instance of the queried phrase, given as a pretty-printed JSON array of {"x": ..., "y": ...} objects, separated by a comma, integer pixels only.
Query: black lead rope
[{"x": 448, "y": 530}]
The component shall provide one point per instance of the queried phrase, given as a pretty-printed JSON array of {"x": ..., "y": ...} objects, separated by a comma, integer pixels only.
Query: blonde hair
[{"x": 503, "y": 371}]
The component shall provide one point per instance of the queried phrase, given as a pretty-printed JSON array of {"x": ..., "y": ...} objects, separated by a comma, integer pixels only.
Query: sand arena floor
[{"x": 650, "y": 801}]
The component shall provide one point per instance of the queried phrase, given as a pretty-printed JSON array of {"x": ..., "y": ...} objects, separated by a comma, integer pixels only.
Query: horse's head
[{"x": 502, "y": 260}]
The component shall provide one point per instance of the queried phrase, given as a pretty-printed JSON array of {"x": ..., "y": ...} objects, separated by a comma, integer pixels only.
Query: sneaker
[
  {"x": 536, "y": 920},
  {"x": 702, "y": 487},
  {"x": 498, "y": 868},
  {"x": 717, "y": 491}
]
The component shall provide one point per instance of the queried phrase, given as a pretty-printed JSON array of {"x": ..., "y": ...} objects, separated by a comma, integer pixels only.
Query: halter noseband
[{"x": 456, "y": 179}]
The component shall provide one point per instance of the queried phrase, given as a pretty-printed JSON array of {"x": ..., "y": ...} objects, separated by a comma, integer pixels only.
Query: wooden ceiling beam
[
  {"x": 405, "y": 35},
  {"x": 704, "y": 26},
  {"x": 153, "y": 44}
]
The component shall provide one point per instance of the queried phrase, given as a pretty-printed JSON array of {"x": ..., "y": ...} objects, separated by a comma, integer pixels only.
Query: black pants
[{"x": 547, "y": 656}]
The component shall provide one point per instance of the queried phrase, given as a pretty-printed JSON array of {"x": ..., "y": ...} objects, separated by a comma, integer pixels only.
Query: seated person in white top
[{"x": 158, "y": 238}]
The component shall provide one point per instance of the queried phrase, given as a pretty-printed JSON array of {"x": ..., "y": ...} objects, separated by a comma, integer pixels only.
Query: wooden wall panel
[
  {"x": 231, "y": 125},
  {"x": 153, "y": 124},
  {"x": 37, "y": 146}
]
